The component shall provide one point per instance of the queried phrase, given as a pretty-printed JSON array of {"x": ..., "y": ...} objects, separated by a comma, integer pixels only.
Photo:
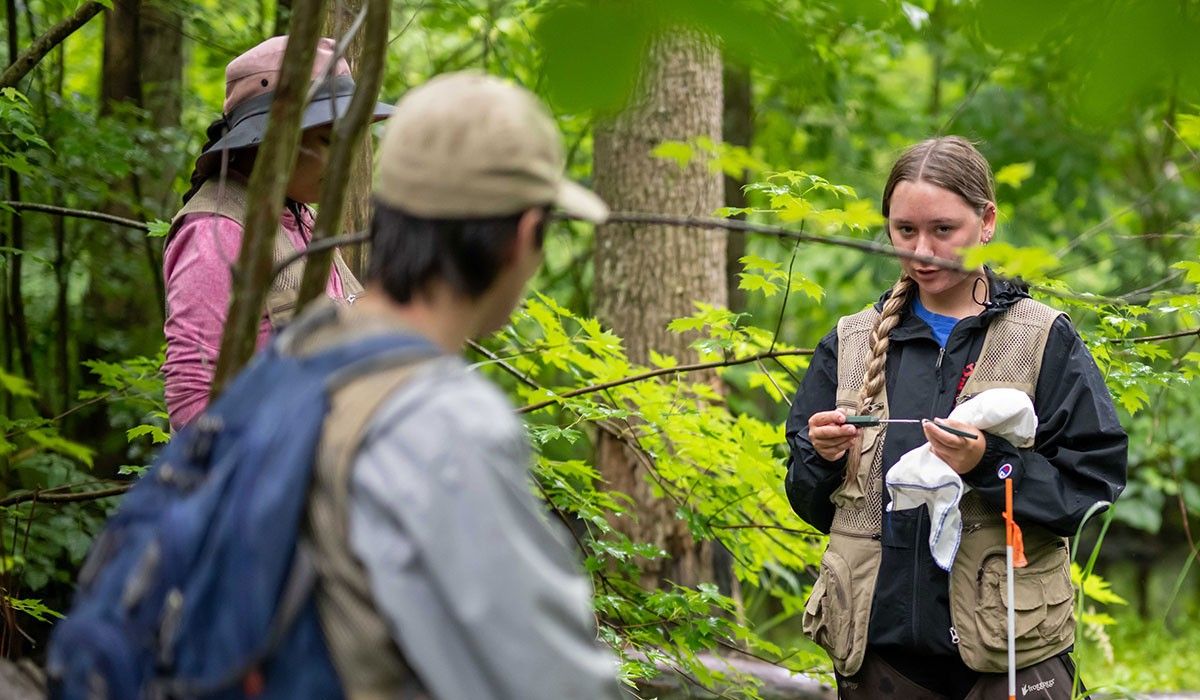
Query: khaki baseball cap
[{"x": 467, "y": 145}]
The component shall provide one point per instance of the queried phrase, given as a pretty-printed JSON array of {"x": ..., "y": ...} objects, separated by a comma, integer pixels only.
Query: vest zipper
[{"x": 860, "y": 535}]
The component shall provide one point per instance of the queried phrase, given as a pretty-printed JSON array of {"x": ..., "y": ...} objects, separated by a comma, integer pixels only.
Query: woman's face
[
  {"x": 928, "y": 220},
  {"x": 305, "y": 185}
]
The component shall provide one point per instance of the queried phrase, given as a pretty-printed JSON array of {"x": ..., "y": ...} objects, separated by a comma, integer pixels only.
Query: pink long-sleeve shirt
[{"x": 197, "y": 271}]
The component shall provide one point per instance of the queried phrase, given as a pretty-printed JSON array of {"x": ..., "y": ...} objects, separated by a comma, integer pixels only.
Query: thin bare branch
[
  {"x": 1157, "y": 338},
  {"x": 77, "y": 214},
  {"x": 45, "y": 43},
  {"x": 42, "y": 497},
  {"x": 697, "y": 367},
  {"x": 267, "y": 190},
  {"x": 778, "y": 232},
  {"x": 347, "y": 136}
]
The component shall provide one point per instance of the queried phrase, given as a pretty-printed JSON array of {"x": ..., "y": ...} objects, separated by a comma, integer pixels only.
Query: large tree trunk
[
  {"x": 161, "y": 63},
  {"x": 120, "y": 80},
  {"x": 356, "y": 212},
  {"x": 141, "y": 66},
  {"x": 648, "y": 275},
  {"x": 738, "y": 130}
]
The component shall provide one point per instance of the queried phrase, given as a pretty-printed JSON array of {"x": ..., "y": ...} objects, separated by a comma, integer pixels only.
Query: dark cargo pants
[{"x": 1048, "y": 680}]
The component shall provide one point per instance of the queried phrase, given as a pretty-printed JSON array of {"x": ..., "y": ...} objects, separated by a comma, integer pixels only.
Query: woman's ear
[{"x": 989, "y": 221}]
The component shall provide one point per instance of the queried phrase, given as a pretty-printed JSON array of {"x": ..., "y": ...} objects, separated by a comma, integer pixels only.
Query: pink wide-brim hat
[{"x": 250, "y": 83}]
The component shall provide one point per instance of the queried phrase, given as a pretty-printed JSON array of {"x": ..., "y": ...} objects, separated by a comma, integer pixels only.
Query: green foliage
[
  {"x": 18, "y": 132},
  {"x": 1014, "y": 174},
  {"x": 593, "y": 51},
  {"x": 720, "y": 472},
  {"x": 1090, "y": 114},
  {"x": 1148, "y": 655},
  {"x": 1032, "y": 264},
  {"x": 733, "y": 161},
  {"x": 33, "y": 608}
]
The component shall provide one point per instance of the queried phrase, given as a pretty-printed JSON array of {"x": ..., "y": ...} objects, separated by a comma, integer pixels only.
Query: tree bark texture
[
  {"x": 346, "y": 150},
  {"x": 356, "y": 213},
  {"x": 267, "y": 191},
  {"x": 648, "y": 275},
  {"x": 738, "y": 130},
  {"x": 161, "y": 67},
  {"x": 20, "y": 64},
  {"x": 128, "y": 58},
  {"x": 120, "y": 79},
  {"x": 16, "y": 241}
]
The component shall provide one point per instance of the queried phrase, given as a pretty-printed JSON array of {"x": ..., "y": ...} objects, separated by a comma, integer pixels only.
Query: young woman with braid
[{"x": 893, "y": 622}]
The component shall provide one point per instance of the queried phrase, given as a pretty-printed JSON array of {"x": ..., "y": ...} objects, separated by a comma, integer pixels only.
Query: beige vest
[
  {"x": 838, "y": 611},
  {"x": 369, "y": 664},
  {"x": 229, "y": 200}
]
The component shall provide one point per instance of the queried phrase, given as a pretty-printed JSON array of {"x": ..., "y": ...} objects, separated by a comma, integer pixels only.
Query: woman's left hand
[{"x": 961, "y": 454}]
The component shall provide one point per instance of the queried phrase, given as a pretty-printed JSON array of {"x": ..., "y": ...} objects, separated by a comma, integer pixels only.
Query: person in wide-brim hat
[
  {"x": 206, "y": 233},
  {"x": 250, "y": 82}
]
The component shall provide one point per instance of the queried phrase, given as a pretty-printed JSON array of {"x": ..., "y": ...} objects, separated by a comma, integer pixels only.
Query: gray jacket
[{"x": 484, "y": 597}]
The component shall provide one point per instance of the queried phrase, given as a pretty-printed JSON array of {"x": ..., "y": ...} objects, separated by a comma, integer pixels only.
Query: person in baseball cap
[
  {"x": 446, "y": 575},
  {"x": 206, "y": 233}
]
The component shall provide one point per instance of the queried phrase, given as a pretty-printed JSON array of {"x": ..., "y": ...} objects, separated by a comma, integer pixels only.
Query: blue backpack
[{"x": 197, "y": 588}]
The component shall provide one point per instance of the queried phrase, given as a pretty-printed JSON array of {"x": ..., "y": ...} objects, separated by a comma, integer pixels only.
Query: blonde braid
[{"x": 873, "y": 380}]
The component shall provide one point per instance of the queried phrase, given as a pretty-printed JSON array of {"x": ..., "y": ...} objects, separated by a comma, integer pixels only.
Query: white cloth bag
[{"x": 920, "y": 477}]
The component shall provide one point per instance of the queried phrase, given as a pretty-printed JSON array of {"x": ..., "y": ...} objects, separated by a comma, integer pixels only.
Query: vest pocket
[
  {"x": 828, "y": 617},
  {"x": 852, "y": 495},
  {"x": 1043, "y": 605},
  {"x": 281, "y": 306}
]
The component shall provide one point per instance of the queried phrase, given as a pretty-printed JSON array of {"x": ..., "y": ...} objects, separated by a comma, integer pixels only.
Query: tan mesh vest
[
  {"x": 229, "y": 200},
  {"x": 837, "y": 614},
  {"x": 360, "y": 643}
]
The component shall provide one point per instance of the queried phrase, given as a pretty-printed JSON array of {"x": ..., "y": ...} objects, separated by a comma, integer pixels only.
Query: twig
[
  {"x": 44, "y": 497},
  {"x": 500, "y": 362},
  {"x": 319, "y": 246},
  {"x": 777, "y": 231},
  {"x": 1156, "y": 338},
  {"x": 347, "y": 136},
  {"x": 836, "y": 241},
  {"x": 407, "y": 24},
  {"x": 787, "y": 292},
  {"x": 758, "y": 526},
  {"x": 77, "y": 213},
  {"x": 273, "y": 167},
  {"x": 697, "y": 367},
  {"x": 696, "y": 222},
  {"x": 41, "y": 46}
]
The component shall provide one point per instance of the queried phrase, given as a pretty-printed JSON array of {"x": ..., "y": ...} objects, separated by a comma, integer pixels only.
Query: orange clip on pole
[{"x": 1012, "y": 531}]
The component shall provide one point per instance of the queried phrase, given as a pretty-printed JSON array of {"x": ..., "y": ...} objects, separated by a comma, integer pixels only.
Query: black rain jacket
[{"x": 1078, "y": 458}]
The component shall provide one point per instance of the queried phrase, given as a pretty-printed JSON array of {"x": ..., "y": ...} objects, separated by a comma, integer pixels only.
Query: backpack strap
[{"x": 360, "y": 642}]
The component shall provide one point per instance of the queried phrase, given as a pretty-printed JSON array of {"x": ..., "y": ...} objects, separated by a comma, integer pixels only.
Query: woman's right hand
[{"x": 829, "y": 434}]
